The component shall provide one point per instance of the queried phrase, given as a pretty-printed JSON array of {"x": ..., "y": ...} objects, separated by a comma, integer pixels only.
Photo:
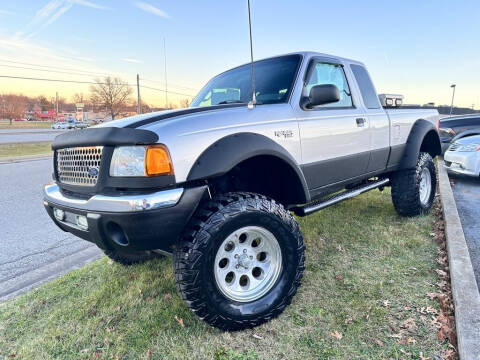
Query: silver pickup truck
[{"x": 216, "y": 184}]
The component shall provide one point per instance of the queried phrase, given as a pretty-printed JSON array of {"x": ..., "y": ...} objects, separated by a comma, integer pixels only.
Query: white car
[
  {"x": 60, "y": 125},
  {"x": 463, "y": 156}
]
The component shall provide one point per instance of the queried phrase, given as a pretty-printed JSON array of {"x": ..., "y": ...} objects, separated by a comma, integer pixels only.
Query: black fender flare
[
  {"x": 231, "y": 150},
  {"x": 420, "y": 129}
]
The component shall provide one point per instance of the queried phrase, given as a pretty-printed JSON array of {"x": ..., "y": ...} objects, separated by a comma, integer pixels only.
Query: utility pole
[
  {"x": 56, "y": 107},
  {"x": 453, "y": 96},
  {"x": 139, "y": 101},
  {"x": 165, "y": 62}
]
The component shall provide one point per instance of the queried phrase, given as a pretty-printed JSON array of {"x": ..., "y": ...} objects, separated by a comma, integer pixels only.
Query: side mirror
[{"x": 321, "y": 94}]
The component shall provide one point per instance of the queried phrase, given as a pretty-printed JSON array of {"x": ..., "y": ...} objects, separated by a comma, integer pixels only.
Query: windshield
[{"x": 274, "y": 79}]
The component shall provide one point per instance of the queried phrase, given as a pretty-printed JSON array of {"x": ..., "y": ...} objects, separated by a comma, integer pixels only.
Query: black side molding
[{"x": 106, "y": 136}]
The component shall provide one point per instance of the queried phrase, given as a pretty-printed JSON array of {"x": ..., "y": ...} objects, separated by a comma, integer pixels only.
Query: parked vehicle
[
  {"x": 216, "y": 184},
  {"x": 453, "y": 126},
  {"x": 463, "y": 156},
  {"x": 81, "y": 125},
  {"x": 60, "y": 125}
]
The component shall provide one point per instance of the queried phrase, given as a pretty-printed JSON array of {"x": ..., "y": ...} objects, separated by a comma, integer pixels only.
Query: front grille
[
  {"x": 453, "y": 147},
  {"x": 79, "y": 166}
]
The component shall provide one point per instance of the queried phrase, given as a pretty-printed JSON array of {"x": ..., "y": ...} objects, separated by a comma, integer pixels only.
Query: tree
[
  {"x": 44, "y": 103},
  {"x": 184, "y": 103},
  {"x": 13, "y": 106},
  {"x": 79, "y": 98},
  {"x": 112, "y": 94}
]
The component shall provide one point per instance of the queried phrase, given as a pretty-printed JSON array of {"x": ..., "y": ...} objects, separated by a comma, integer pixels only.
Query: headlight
[
  {"x": 447, "y": 131},
  {"x": 135, "y": 161},
  {"x": 469, "y": 147}
]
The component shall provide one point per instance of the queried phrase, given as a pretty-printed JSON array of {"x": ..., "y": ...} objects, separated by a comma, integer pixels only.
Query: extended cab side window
[
  {"x": 369, "y": 95},
  {"x": 325, "y": 73}
]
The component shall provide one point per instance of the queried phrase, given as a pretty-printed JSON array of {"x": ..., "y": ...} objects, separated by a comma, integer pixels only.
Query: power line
[
  {"x": 87, "y": 82},
  {"x": 47, "y": 70},
  {"x": 79, "y": 72},
  {"x": 54, "y": 67},
  {"x": 170, "y": 92},
  {"x": 170, "y": 84}
]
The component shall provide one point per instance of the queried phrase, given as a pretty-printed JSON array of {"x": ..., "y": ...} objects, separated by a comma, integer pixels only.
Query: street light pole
[
  {"x": 453, "y": 97},
  {"x": 139, "y": 101},
  {"x": 165, "y": 63}
]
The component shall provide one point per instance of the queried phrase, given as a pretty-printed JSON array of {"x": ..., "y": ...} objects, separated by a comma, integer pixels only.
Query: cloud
[
  {"x": 130, "y": 60},
  {"x": 50, "y": 13},
  {"x": 151, "y": 9}
]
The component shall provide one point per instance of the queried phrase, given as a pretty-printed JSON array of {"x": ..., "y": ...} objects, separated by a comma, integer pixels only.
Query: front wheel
[
  {"x": 240, "y": 262},
  {"x": 413, "y": 190}
]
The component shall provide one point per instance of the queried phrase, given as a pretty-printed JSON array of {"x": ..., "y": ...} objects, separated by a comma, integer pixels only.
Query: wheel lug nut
[
  {"x": 244, "y": 251},
  {"x": 236, "y": 256}
]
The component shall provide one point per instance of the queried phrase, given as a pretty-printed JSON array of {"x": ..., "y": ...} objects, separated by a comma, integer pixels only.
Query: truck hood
[{"x": 153, "y": 118}]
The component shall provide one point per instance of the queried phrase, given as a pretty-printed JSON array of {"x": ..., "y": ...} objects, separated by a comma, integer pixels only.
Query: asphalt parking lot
[
  {"x": 466, "y": 191},
  {"x": 32, "y": 248},
  {"x": 27, "y": 135}
]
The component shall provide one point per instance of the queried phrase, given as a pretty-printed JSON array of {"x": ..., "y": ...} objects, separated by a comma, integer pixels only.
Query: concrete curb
[
  {"x": 10, "y": 160},
  {"x": 466, "y": 296},
  {"x": 48, "y": 272}
]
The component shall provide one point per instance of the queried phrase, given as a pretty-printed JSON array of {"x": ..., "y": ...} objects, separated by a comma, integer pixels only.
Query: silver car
[{"x": 463, "y": 156}]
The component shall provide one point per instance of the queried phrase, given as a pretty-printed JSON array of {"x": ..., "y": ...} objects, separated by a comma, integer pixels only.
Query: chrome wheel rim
[
  {"x": 248, "y": 263},
  {"x": 425, "y": 186}
]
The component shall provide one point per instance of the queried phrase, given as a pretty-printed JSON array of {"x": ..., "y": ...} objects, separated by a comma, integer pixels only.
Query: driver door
[{"x": 335, "y": 137}]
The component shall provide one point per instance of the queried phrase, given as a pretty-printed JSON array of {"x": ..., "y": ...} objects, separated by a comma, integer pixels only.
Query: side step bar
[{"x": 347, "y": 194}]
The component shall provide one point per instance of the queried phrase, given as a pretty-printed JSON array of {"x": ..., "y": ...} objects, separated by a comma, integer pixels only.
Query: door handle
[{"x": 360, "y": 122}]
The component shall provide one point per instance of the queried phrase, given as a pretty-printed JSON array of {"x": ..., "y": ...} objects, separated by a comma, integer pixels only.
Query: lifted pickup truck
[{"x": 216, "y": 184}]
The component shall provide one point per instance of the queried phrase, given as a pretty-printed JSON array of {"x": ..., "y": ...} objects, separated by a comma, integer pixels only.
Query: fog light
[
  {"x": 82, "y": 222},
  {"x": 59, "y": 214}
]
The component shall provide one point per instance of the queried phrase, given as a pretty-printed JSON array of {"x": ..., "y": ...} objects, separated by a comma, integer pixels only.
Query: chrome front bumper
[{"x": 120, "y": 204}]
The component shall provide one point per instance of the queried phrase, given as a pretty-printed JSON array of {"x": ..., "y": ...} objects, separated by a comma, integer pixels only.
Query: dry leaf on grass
[
  {"x": 379, "y": 342},
  {"x": 348, "y": 320},
  {"x": 258, "y": 337},
  {"x": 179, "y": 320},
  {"x": 149, "y": 353},
  {"x": 167, "y": 296},
  {"x": 336, "y": 335},
  {"x": 339, "y": 277}
]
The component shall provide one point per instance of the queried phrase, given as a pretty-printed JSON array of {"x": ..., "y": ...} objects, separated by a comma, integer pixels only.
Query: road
[
  {"x": 466, "y": 192},
  {"x": 32, "y": 248},
  {"x": 27, "y": 135}
]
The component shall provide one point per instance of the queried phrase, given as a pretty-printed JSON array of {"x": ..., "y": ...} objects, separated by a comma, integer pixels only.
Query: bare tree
[
  {"x": 184, "y": 103},
  {"x": 13, "y": 106},
  {"x": 112, "y": 94},
  {"x": 79, "y": 98}
]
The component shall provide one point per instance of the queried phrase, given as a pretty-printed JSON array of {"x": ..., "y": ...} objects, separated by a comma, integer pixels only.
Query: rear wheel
[
  {"x": 413, "y": 190},
  {"x": 240, "y": 262},
  {"x": 131, "y": 257}
]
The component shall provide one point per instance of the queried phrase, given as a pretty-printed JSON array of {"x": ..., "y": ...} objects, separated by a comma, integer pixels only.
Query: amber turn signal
[{"x": 157, "y": 161}]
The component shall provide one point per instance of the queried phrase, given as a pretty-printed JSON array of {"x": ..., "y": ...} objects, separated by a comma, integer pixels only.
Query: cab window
[{"x": 324, "y": 73}]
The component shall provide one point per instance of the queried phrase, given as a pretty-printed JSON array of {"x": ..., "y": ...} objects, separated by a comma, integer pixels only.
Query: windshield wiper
[{"x": 231, "y": 102}]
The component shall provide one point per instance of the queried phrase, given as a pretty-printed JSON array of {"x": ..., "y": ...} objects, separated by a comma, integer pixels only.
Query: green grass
[
  {"x": 367, "y": 271},
  {"x": 25, "y": 125},
  {"x": 25, "y": 149}
]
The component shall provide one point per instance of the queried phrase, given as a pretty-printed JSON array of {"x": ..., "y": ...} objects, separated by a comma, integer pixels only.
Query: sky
[{"x": 417, "y": 48}]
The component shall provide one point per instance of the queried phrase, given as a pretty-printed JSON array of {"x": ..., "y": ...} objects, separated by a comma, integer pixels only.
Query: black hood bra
[{"x": 182, "y": 112}]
